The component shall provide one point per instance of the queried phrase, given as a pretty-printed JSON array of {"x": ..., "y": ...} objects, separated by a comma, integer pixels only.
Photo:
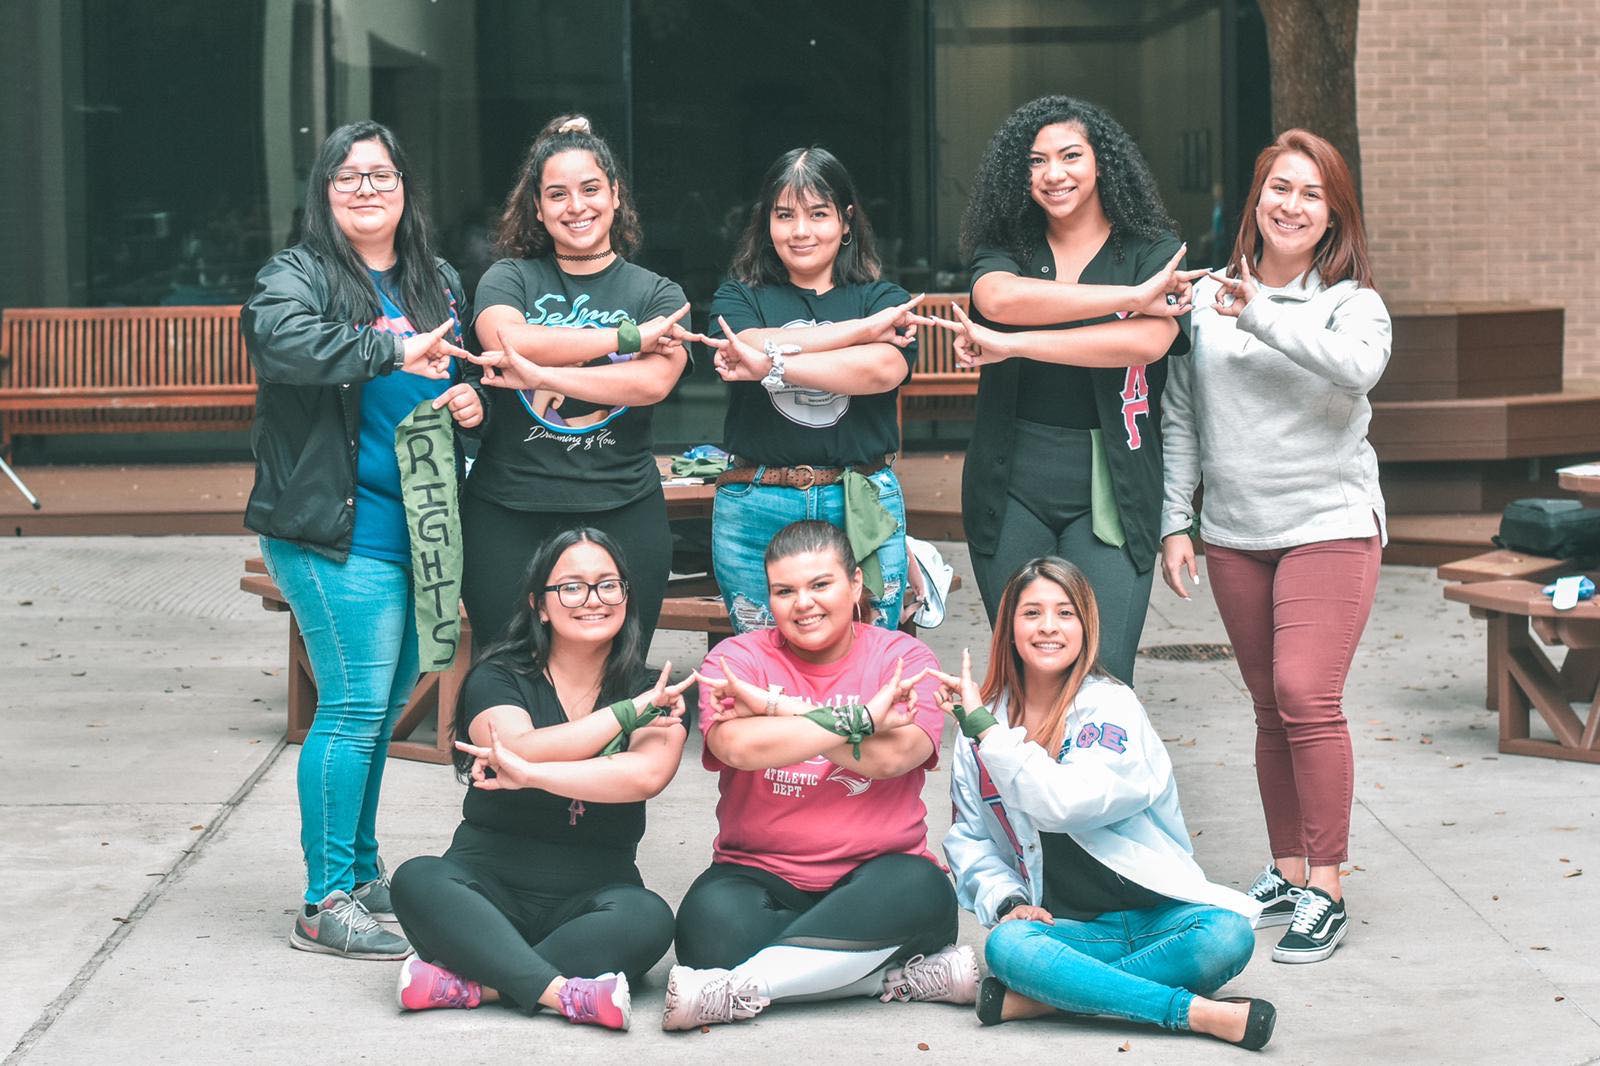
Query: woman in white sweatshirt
[
  {"x": 1270, "y": 414},
  {"x": 1068, "y": 839}
]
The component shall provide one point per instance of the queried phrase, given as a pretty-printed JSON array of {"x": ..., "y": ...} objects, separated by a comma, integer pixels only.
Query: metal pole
[{"x": 5, "y": 468}]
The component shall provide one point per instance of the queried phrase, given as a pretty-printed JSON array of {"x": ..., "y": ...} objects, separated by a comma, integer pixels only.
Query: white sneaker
[
  {"x": 950, "y": 976},
  {"x": 708, "y": 997}
]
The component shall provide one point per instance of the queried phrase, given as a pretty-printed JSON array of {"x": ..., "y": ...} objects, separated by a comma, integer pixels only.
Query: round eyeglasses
[
  {"x": 348, "y": 181},
  {"x": 611, "y": 591}
]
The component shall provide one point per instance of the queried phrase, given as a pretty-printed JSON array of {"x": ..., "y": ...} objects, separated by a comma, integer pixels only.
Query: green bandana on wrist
[
  {"x": 975, "y": 721},
  {"x": 853, "y": 722},
  {"x": 628, "y": 338},
  {"x": 630, "y": 719}
]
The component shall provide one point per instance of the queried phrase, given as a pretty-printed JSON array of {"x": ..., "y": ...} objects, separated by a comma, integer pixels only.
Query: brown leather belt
[{"x": 795, "y": 477}]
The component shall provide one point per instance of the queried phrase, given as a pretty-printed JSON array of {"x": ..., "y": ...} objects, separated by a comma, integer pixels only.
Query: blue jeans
[
  {"x": 745, "y": 518},
  {"x": 359, "y": 625},
  {"x": 1145, "y": 965}
]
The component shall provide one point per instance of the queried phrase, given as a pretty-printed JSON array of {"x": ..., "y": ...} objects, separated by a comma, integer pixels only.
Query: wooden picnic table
[{"x": 1583, "y": 480}]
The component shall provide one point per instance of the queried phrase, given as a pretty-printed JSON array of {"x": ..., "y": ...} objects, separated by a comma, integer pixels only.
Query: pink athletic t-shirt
[{"x": 815, "y": 821}]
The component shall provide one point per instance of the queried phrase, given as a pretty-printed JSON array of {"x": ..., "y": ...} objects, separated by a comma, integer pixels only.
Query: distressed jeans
[
  {"x": 1145, "y": 965},
  {"x": 359, "y": 625},
  {"x": 745, "y": 518}
]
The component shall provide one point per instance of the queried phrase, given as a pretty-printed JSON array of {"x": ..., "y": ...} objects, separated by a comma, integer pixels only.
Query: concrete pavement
[{"x": 150, "y": 837}]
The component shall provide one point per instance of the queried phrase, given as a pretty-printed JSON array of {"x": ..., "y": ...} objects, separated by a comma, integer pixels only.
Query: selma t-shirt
[
  {"x": 813, "y": 426},
  {"x": 813, "y": 822},
  {"x": 380, "y": 523},
  {"x": 543, "y": 452}
]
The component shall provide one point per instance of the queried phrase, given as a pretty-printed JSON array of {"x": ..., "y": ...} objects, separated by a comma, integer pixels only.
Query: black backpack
[{"x": 1561, "y": 529}]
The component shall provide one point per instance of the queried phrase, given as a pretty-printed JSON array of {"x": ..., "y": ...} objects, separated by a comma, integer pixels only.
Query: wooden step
[
  {"x": 1489, "y": 428},
  {"x": 1467, "y": 350},
  {"x": 1434, "y": 540}
]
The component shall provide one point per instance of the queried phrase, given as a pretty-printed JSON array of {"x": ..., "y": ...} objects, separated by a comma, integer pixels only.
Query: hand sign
[{"x": 511, "y": 771}]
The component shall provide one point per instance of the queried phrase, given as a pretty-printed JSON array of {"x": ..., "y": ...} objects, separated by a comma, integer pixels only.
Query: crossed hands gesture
[
  {"x": 429, "y": 354},
  {"x": 892, "y": 706},
  {"x": 958, "y": 689},
  {"x": 511, "y": 771},
  {"x": 1236, "y": 293},
  {"x": 738, "y": 360},
  {"x": 508, "y": 368}
]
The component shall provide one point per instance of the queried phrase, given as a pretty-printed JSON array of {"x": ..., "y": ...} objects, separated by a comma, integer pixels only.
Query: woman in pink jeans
[{"x": 1270, "y": 413}]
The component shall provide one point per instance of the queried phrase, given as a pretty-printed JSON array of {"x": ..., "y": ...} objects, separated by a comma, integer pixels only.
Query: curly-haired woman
[
  {"x": 1074, "y": 260},
  {"x": 584, "y": 344}
]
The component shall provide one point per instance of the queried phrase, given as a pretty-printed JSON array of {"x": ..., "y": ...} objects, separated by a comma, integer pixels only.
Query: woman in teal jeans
[
  {"x": 814, "y": 345},
  {"x": 1068, "y": 840},
  {"x": 348, "y": 332}
]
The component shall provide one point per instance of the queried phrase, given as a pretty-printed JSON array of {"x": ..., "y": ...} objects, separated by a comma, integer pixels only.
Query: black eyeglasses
[
  {"x": 611, "y": 591},
  {"x": 348, "y": 181}
]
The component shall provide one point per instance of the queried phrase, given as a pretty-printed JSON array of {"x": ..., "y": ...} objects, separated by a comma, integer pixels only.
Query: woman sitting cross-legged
[
  {"x": 821, "y": 885},
  {"x": 1068, "y": 840},
  {"x": 538, "y": 901}
]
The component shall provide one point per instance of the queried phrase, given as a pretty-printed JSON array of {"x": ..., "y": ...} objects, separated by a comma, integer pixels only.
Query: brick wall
[{"x": 1480, "y": 150}]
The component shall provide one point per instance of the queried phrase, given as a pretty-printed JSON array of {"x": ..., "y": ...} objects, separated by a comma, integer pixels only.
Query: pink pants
[{"x": 1294, "y": 616}]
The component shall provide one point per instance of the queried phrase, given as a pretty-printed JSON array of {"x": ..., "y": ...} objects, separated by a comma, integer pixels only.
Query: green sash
[{"x": 425, "y": 446}]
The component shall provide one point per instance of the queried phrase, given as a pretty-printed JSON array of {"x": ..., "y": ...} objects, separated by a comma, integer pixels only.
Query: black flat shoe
[
  {"x": 991, "y": 997},
  {"x": 1257, "y": 1027}
]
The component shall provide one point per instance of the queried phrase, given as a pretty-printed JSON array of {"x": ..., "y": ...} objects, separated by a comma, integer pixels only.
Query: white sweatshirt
[{"x": 1270, "y": 411}]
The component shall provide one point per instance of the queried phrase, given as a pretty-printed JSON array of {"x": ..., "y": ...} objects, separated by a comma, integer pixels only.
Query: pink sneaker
[
  {"x": 424, "y": 986},
  {"x": 602, "y": 1000},
  {"x": 948, "y": 976}
]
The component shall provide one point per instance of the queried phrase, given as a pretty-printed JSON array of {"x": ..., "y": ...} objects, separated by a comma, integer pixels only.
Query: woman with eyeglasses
[
  {"x": 582, "y": 344},
  {"x": 349, "y": 331},
  {"x": 563, "y": 735}
]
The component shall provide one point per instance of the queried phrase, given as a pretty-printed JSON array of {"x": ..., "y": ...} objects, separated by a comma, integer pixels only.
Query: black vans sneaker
[
  {"x": 1319, "y": 923},
  {"x": 1276, "y": 896}
]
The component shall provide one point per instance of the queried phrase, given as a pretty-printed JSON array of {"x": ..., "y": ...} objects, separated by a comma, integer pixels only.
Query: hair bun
[{"x": 576, "y": 124}]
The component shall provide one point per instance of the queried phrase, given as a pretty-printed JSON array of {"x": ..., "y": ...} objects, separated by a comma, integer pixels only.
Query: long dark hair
[
  {"x": 807, "y": 172},
  {"x": 354, "y": 296},
  {"x": 1005, "y": 664},
  {"x": 521, "y": 235},
  {"x": 1342, "y": 251},
  {"x": 1001, "y": 210},
  {"x": 524, "y": 645}
]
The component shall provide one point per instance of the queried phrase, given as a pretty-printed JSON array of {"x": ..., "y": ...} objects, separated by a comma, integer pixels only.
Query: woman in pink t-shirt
[{"x": 821, "y": 884}]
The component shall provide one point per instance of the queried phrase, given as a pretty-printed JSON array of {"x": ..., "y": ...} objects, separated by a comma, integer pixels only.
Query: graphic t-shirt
[
  {"x": 815, "y": 821},
  {"x": 380, "y": 525},
  {"x": 813, "y": 426},
  {"x": 1125, "y": 401},
  {"x": 546, "y": 453},
  {"x": 530, "y": 812}
]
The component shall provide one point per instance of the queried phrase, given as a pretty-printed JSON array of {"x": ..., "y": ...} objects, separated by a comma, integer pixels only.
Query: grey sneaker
[
  {"x": 341, "y": 926},
  {"x": 708, "y": 997},
  {"x": 1277, "y": 897},
  {"x": 374, "y": 895},
  {"x": 948, "y": 976}
]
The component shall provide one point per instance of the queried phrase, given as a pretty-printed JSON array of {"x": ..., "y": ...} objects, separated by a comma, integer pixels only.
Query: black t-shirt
[
  {"x": 531, "y": 813},
  {"x": 1080, "y": 887},
  {"x": 578, "y": 456},
  {"x": 812, "y": 426},
  {"x": 1126, "y": 400}
]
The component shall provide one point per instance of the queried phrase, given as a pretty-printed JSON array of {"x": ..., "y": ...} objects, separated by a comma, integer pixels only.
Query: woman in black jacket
[{"x": 348, "y": 332}]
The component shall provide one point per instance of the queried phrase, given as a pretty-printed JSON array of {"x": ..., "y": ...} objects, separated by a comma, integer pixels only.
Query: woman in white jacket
[
  {"x": 1068, "y": 840},
  {"x": 1270, "y": 411}
]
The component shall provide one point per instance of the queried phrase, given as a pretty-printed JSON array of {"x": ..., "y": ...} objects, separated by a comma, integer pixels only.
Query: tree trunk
[{"x": 1312, "y": 44}]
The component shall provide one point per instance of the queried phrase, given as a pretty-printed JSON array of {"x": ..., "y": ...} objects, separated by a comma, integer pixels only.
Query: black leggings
[
  {"x": 899, "y": 901},
  {"x": 1048, "y": 513},
  {"x": 490, "y": 924},
  {"x": 497, "y": 543}
]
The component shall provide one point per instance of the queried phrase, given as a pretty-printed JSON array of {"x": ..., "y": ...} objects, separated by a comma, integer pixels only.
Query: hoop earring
[
  {"x": 855, "y": 613},
  {"x": 844, "y": 242}
]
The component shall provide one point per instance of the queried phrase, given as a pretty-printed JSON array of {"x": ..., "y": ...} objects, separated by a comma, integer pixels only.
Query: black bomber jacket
[{"x": 310, "y": 369}]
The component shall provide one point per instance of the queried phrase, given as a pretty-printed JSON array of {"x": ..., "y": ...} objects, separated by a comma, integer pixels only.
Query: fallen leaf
[
  {"x": 196, "y": 827},
  {"x": 1447, "y": 823},
  {"x": 1560, "y": 998},
  {"x": 1563, "y": 860},
  {"x": 1363, "y": 869},
  {"x": 24, "y": 603},
  {"x": 1457, "y": 766},
  {"x": 1538, "y": 947},
  {"x": 1424, "y": 740},
  {"x": 1377, "y": 784},
  {"x": 1495, "y": 898},
  {"x": 922, "y": 1047},
  {"x": 1187, "y": 743},
  {"x": 1385, "y": 737},
  {"x": 1126, "y": 1045},
  {"x": 705, "y": 1028},
  {"x": 1575, "y": 873},
  {"x": 124, "y": 921}
]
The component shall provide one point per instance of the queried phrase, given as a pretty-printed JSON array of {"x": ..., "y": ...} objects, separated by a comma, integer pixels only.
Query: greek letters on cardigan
[{"x": 1135, "y": 402}]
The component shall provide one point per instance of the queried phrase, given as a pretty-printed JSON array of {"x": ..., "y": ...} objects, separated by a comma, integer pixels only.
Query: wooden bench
[
  {"x": 121, "y": 370},
  {"x": 1522, "y": 676},
  {"x": 937, "y": 374},
  {"x": 434, "y": 697}
]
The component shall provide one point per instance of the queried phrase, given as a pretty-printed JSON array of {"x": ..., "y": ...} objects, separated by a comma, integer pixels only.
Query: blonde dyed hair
[{"x": 1005, "y": 663}]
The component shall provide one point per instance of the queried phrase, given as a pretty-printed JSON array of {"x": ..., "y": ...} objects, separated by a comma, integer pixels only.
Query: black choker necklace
[{"x": 584, "y": 258}]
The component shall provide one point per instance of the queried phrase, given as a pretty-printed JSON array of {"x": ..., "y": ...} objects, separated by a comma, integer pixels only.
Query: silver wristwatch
[{"x": 773, "y": 382}]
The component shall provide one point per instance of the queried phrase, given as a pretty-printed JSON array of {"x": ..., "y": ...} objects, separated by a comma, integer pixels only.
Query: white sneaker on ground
[
  {"x": 949, "y": 976},
  {"x": 708, "y": 997}
]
